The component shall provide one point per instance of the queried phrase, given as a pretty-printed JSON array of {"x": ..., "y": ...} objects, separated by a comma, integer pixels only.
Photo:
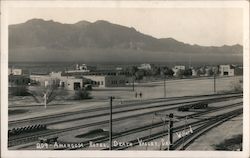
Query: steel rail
[
  {"x": 40, "y": 118},
  {"x": 34, "y": 136},
  {"x": 179, "y": 128}
]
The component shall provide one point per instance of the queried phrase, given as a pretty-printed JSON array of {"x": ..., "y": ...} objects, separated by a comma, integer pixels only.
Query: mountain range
[{"x": 102, "y": 41}]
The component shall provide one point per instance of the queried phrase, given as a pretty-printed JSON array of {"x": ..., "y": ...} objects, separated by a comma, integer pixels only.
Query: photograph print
[{"x": 88, "y": 78}]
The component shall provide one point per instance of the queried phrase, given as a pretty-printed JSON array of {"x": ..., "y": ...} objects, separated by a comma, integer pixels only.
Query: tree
[
  {"x": 132, "y": 71},
  {"x": 179, "y": 73},
  {"x": 210, "y": 72},
  {"x": 199, "y": 72},
  {"x": 156, "y": 71},
  {"x": 203, "y": 70},
  {"x": 216, "y": 70},
  {"x": 187, "y": 72},
  {"x": 148, "y": 72},
  {"x": 18, "y": 85},
  {"x": 139, "y": 74},
  {"x": 167, "y": 72},
  {"x": 47, "y": 93},
  {"x": 19, "y": 90}
]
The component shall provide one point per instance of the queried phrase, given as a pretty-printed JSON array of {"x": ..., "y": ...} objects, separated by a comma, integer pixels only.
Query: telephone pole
[
  {"x": 164, "y": 86},
  {"x": 170, "y": 130},
  {"x": 170, "y": 127},
  {"x": 214, "y": 83},
  {"x": 110, "y": 124},
  {"x": 133, "y": 84}
]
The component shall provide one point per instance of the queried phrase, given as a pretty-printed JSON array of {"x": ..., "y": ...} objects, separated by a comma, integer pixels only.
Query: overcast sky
[{"x": 204, "y": 26}]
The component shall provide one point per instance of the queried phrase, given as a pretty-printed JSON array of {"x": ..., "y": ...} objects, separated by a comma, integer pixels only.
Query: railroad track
[
  {"x": 33, "y": 136},
  {"x": 184, "y": 142},
  {"x": 158, "y": 124},
  {"x": 155, "y": 125},
  {"x": 212, "y": 122},
  {"x": 134, "y": 108}
]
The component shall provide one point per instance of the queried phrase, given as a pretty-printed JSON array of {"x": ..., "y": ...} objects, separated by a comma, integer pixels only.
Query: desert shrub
[
  {"x": 17, "y": 111},
  {"x": 232, "y": 144},
  {"x": 237, "y": 86},
  {"x": 82, "y": 94},
  {"x": 19, "y": 91},
  {"x": 187, "y": 72}
]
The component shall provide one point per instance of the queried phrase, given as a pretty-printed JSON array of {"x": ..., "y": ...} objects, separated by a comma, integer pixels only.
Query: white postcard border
[{"x": 123, "y": 4}]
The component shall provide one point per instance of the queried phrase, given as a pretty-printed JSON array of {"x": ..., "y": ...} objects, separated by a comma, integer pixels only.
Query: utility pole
[
  {"x": 110, "y": 124},
  {"x": 214, "y": 83},
  {"x": 67, "y": 72},
  {"x": 164, "y": 86},
  {"x": 170, "y": 130},
  {"x": 170, "y": 127},
  {"x": 189, "y": 63},
  {"x": 133, "y": 83}
]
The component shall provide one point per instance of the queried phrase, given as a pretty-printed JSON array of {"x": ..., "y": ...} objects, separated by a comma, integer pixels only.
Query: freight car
[
  {"x": 201, "y": 105},
  {"x": 26, "y": 129}
]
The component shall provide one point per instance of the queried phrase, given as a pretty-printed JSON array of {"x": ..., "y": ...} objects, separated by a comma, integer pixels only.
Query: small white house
[
  {"x": 194, "y": 72},
  {"x": 177, "y": 68},
  {"x": 107, "y": 81},
  {"x": 12, "y": 71},
  {"x": 226, "y": 70},
  {"x": 145, "y": 67},
  {"x": 69, "y": 83}
]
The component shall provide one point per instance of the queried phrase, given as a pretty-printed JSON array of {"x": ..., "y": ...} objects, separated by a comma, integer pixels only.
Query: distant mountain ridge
[{"x": 40, "y": 40}]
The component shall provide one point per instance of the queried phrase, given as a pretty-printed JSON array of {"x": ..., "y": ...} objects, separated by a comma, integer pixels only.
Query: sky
[{"x": 202, "y": 26}]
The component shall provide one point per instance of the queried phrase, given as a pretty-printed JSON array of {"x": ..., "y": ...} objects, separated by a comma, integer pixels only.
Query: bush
[
  {"x": 82, "y": 94},
  {"x": 232, "y": 144},
  {"x": 237, "y": 86},
  {"x": 19, "y": 91},
  {"x": 187, "y": 72}
]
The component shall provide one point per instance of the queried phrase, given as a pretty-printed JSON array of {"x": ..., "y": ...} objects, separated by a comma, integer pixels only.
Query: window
[
  {"x": 62, "y": 84},
  {"x": 101, "y": 82},
  {"x": 225, "y": 73},
  {"x": 77, "y": 85}
]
